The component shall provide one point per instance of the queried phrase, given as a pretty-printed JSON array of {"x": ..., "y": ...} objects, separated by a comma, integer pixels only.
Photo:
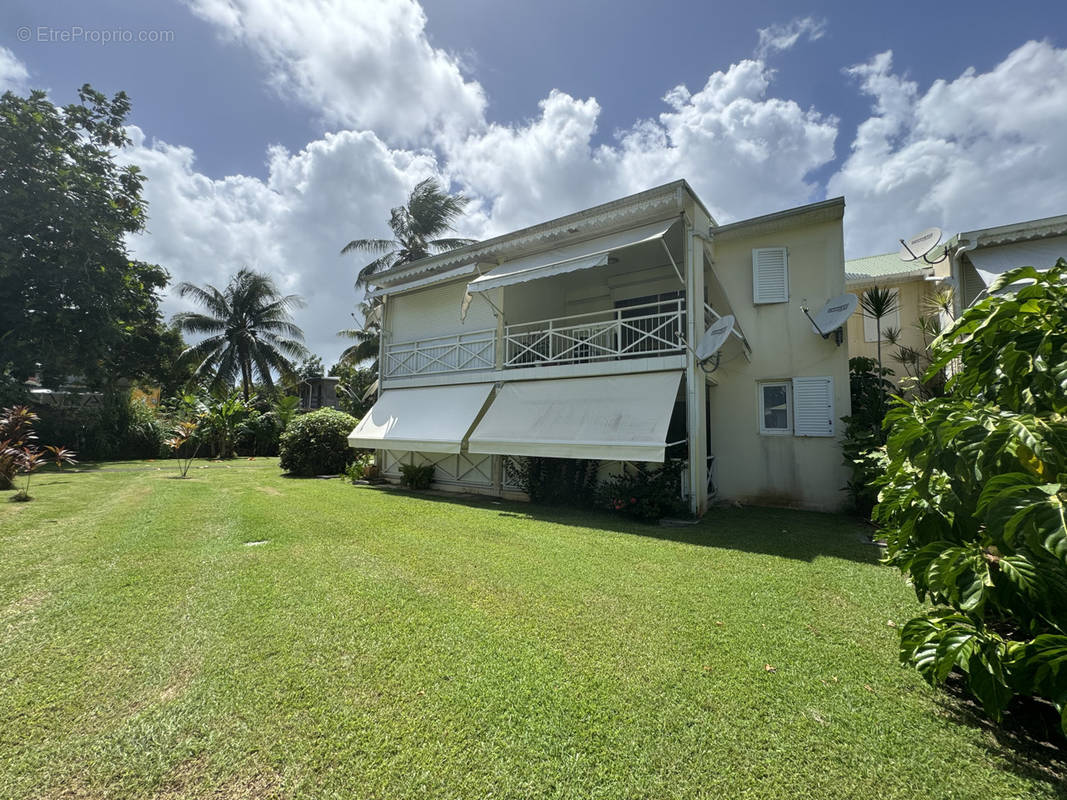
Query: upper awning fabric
[
  {"x": 571, "y": 258},
  {"x": 430, "y": 419},
  {"x": 609, "y": 418},
  {"x": 440, "y": 277},
  {"x": 992, "y": 262}
]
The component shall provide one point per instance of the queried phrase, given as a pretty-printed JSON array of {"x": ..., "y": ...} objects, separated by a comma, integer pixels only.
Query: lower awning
[
  {"x": 609, "y": 418},
  {"x": 430, "y": 419}
]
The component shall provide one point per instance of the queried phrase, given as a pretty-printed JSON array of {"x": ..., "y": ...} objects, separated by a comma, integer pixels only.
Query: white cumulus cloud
[
  {"x": 366, "y": 65},
  {"x": 982, "y": 149}
]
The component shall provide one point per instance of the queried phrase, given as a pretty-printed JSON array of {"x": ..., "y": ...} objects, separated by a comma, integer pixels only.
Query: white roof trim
[
  {"x": 440, "y": 277},
  {"x": 570, "y": 258}
]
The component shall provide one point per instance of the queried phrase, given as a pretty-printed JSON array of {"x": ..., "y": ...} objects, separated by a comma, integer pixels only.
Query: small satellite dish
[
  {"x": 920, "y": 245},
  {"x": 715, "y": 337},
  {"x": 833, "y": 314}
]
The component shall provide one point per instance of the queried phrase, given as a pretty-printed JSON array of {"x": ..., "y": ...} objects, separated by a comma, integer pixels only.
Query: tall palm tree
[
  {"x": 250, "y": 331},
  {"x": 417, "y": 228}
]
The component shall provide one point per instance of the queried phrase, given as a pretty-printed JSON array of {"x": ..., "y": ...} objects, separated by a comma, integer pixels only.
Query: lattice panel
[
  {"x": 473, "y": 470},
  {"x": 514, "y": 466}
]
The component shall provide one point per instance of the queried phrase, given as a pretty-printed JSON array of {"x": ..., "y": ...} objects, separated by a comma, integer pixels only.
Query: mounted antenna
[
  {"x": 714, "y": 338},
  {"x": 921, "y": 245},
  {"x": 833, "y": 315}
]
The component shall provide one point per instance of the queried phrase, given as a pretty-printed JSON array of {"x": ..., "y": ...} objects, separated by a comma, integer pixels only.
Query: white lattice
[
  {"x": 514, "y": 468},
  {"x": 464, "y": 468}
]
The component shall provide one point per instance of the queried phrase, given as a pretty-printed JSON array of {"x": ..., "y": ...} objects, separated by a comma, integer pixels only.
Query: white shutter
[
  {"x": 770, "y": 275},
  {"x": 813, "y": 406}
]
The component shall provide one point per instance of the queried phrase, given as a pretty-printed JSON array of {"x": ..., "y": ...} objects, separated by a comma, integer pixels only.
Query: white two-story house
[{"x": 578, "y": 338}]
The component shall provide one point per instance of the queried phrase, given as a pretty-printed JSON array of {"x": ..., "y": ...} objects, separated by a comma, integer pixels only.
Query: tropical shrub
[
  {"x": 220, "y": 421},
  {"x": 361, "y": 468},
  {"x": 863, "y": 444},
  {"x": 416, "y": 476},
  {"x": 560, "y": 481},
  {"x": 317, "y": 443},
  {"x": 974, "y": 503},
  {"x": 113, "y": 427},
  {"x": 19, "y": 452},
  {"x": 645, "y": 494},
  {"x": 184, "y": 445},
  {"x": 258, "y": 434}
]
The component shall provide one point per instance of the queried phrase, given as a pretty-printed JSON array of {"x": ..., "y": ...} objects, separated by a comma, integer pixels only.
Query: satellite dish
[
  {"x": 715, "y": 337},
  {"x": 834, "y": 314},
  {"x": 920, "y": 245}
]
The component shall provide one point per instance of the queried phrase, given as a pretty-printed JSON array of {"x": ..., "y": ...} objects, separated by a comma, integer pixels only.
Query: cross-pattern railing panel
[
  {"x": 466, "y": 468},
  {"x": 651, "y": 329},
  {"x": 456, "y": 353}
]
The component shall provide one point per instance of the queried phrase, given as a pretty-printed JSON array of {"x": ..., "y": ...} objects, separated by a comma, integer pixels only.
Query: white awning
[
  {"x": 610, "y": 418},
  {"x": 585, "y": 255},
  {"x": 439, "y": 277},
  {"x": 992, "y": 262},
  {"x": 430, "y": 419}
]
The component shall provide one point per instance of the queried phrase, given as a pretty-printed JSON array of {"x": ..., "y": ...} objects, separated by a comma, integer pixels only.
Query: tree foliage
[
  {"x": 70, "y": 296},
  {"x": 974, "y": 503},
  {"x": 418, "y": 227},
  {"x": 248, "y": 332}
]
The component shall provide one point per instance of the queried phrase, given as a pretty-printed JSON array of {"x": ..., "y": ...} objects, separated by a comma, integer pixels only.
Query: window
[
  {"x": 774, "y": 411},
  {"x": 770, "y": 275},
  {"x": 890, "y": 320}
]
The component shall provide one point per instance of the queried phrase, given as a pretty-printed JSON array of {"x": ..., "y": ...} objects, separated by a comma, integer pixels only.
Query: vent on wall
[
  {"x": 813, "y": 406},
  {"x": 770, "y": 275}
]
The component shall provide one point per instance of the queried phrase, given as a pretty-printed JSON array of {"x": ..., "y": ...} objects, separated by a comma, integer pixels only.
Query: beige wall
[
  {"x": 911, "y": 296},
  {"x": 779, "y": 469},
  {"x": 434, "y": 311}
]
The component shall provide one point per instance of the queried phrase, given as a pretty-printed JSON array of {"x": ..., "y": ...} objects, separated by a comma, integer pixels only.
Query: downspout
[{"x": 957, "y": 268}]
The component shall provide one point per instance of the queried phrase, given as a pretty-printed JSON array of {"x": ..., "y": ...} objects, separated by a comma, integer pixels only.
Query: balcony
[{"x": 640, "y": 331}]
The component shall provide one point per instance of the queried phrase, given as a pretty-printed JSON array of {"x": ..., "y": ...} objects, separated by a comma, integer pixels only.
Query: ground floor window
[{"x": 774, "y": 411}]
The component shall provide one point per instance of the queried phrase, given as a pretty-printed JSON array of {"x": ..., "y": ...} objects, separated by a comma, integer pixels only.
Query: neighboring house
[
  {"x": 318, "y": 392},
  {"x": 574, "y": 339},
  {"x": 915, "y": 284},
  {"x": 979, "y": 257},
  {"x": 973, "y": 260}
]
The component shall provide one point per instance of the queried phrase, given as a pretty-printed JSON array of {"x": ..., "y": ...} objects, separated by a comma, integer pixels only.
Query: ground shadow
[
  {"x": 1028, "y": 742},
  {"x": 787, "y": 533}
]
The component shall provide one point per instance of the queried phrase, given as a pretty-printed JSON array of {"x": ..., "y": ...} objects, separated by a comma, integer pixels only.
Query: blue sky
[{"x": 273, "y": 132}]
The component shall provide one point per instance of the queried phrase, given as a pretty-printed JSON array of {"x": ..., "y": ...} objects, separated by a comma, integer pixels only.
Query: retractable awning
[
  {"x": 439, "y": 277},
  {"x": 610, "y": 418},
  {"x": 992, "y": 262},
  {"x": 585, "y": 255},
  {"x": 430, "y": 419}
]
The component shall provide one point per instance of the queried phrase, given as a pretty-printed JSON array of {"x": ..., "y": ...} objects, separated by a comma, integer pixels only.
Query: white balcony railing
[
  {"x": 456, "y": 353},
  {"x": 633, "y": 331}
]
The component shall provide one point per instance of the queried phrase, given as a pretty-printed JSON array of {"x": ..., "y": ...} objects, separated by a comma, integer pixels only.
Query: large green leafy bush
[
  {"x": 974, "y": 502},
  {"x": 317, "y": 443}
]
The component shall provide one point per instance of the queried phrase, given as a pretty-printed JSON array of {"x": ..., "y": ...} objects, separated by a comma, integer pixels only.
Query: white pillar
[{"x": 695, "y": 393}]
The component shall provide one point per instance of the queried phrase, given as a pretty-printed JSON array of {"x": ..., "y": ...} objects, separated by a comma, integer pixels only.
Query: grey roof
[{"x": 887, "y": 267}]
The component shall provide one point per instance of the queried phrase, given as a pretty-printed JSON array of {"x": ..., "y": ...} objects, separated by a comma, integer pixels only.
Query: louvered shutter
[
  {"x": 813, "y": 406},
  {"x": 770, "y": 275}
]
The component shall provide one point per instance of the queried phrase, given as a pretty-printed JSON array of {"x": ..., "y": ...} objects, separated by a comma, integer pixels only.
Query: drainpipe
[{"x": 957, "y": 272}]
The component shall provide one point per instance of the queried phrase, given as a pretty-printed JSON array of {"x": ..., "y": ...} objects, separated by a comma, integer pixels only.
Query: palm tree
[
  {"x": 250, "y": 332},
  {"x": 417, "y": 227},
  {"x": 367, "y": 337},
  {"x": 879, "y": 302}
]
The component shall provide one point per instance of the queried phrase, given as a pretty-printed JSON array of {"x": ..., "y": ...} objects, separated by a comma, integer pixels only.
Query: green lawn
[{"x": 384, "y": 645}]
